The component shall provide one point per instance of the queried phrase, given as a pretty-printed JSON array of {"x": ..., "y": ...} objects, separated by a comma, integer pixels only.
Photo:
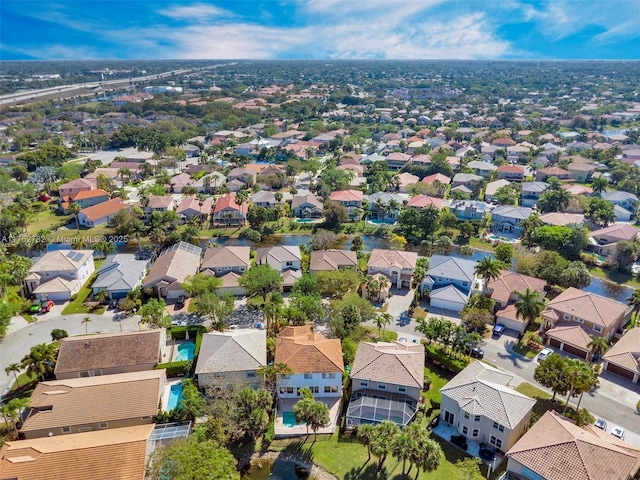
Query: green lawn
[
  {"x": 29, "y": 318},
  {"x": 438, "y": 380},
  {"x": 46, "y": 220},
  {"x": 76, "y": 306},
  {"x": 420, "y": 313},
  {"x": 543, "y": 401},
  {"x": 615, "y": 277}
]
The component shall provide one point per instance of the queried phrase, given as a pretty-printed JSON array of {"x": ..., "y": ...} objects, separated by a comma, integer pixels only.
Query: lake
[{"x": 273, "y": 470}]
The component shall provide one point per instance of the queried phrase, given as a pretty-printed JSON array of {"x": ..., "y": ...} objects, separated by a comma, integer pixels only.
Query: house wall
[
  {"x": 316, "y": 379},
  {"x": 87, "y": 427},
  {"x": 82, "y": 275},
  {"x": 307, "y": 210},
  {"x": 220, "y": 271},
  {"x": 106, "y": 371},
  {"x": 229, "y": 380},
  {"x": 69, "y": 191},
  {"x": 89, "y": 202},
  {"x": 366, "y": 384},
  {"x": 606, "y": 332}
]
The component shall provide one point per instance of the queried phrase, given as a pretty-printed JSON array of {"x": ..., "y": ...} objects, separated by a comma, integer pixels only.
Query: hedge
[
  {"x": 446, "y": 361},
  {"x": 175, "y": 368}
]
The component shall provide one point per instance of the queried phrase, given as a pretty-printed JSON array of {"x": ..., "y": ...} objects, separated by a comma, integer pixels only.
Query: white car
[
  {"x": 544, "y": 354},
  {"x": 618, "y": 432}
]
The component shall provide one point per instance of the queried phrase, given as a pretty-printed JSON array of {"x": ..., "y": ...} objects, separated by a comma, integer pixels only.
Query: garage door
[
  {"x": 554, "y": 343},
  {"x": 511, "y": 324},
  {"x": 575, "y": 351},
  {"x": 446, "y": 305},
  {"x": 623, "y": 372}
]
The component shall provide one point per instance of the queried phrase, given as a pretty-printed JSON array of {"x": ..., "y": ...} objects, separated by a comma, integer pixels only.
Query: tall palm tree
[
  {"x": 40, "y": 360},
  {"x": 86, "y": 321},
  {"x": 529, "y": 305},
  {"x": 597, "y": 344},
  {"x": 386, "y": 320},
  {"x": 634, "y": 301},
  {"x": 74, "y": 209},
  {"x": 488, "y": 269},
  {"x": 13, "y": 368},
  {"x": 366, "y": 434},
  {"x": 599, "y": 184}
]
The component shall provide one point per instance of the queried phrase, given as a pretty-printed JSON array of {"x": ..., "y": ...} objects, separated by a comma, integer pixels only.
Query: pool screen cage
[{"x": 375, "y": 410}]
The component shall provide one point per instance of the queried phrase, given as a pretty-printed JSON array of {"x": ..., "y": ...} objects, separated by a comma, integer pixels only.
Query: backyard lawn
[{"x": 76, "y": 306}]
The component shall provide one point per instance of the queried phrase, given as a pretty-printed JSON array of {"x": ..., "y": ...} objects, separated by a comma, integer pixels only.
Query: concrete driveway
[{"x": 399, "y": 302}]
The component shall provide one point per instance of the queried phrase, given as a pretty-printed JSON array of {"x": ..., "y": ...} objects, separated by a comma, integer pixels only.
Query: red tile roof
[{"x": 229, "y": 201}]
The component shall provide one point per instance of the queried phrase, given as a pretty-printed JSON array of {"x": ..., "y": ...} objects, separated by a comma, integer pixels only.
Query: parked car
[
  {"x": 544, "y": 354},
  {"x": 113, "y": 304},
  {"x": 618, "y": 432},
  {"x": 477, "y": 352},
  {"x": 601, "y": 424},
  {"x": 46, "y": 306},
  {"x": 498, "y": 330},
  {"x": 181, "y": 301},
  {"x": 35, "y": 307}
]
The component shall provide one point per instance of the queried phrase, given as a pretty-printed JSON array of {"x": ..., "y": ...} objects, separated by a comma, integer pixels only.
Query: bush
[
  {"x": 442, "y": 359},
  {"x": 427, "y": 382},
  {"x": 175, "y": 369}
]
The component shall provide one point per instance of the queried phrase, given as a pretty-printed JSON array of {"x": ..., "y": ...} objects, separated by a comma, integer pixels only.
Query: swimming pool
[
  {"x": 175, "y": 392},
  {"x": 496, "y": 238},
  {"x": 185, "y": 351},
  {"x": 289, "y": 419},
  {"x": 304, "y": 220},
  {"x": 376, "y": 221}
]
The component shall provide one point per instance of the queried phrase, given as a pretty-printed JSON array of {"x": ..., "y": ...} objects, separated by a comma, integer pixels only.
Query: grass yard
[
  {"x": 521, "y": 347},
  {"x": 47, "y": 220},
  {"x": 615, "y": 277},
  {"x": 420, "y": 313},
  {"x": 29, "y": 318},
  {"x": 345, "y": 457},
  {"x": 543, "y": 401},
  {"x": 76, "y": 306},
  {"x": 388, "y": 336},
  {"x": 438, "y": 380}
]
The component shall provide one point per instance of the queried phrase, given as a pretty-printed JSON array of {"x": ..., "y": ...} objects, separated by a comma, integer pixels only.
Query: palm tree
[
  {"x": 381, "y": 443},
  {"x": 366, "y": 434},
  {"x": 13, "y": 368},
  {"x": 74, "y": 209},
  {"x": 379, "y": 321},
  {"x": 634, "y": 301},
  {"x": 379, "y": 206},
  {"x": 581, "y": 378},
  {"x": 599, "y": 184},
  {"x": 386, "y": 320},
  {"x": 597, "y": 344},
  {"x": 86, "y": 321},
  {"x": 488, "y": 269},
  {"x": 40, "y": 360},
  {"x": 401, "y": 447},
  {"x": 529, "y": 305}
]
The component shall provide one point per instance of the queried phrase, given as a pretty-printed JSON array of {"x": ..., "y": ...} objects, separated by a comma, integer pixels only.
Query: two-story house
[
  {"x": 349, "y": 199},
  {"x": 483, "y": 169},
  {"x": 227, "y": 263},
  {"x": 573, "y": 315},
  {"x": 387, "y": 379},
  {"x": 623, "y": 359},
  {"x": 245, "y": 175},
  {"x": 193, "y": 207},
  {"x": 531, "y": 193},
  {"x": 604, "y": 241},
  {"x": 171, "y": 269},
  {"x": 285, "y": 259},
  {"x": 84, "y": 199},
  {"x": 560, "y": 173},
  {"x": 482, "y": 406},
  {"x": 581, "y": 171},
  {"x": 397, "y": 160},
  {"x": 450, "y": 281},
  {"x": 468, "y": 180},
  {"x": 625, "y": 200},
  {"x": 159, "y": 203},
  {"x": 228, "y": 211},
  {"x": 511, "y": 173},
  {"x": 60, "y": 274},
  {"x": 306, "y": 206},
  {"x": 385, "y": 206},
  {"x": 316, "y": 363},
  {"x": 231, "y": 359},
  {"x": 468, "y": 209},
  {"x": 264, "y": 198},
  {"x": 398, "y": 266},
  {"x": 76, "y": 186},
  {"x": 504, "y": 292},
  {"x": 508, "y": 219}
]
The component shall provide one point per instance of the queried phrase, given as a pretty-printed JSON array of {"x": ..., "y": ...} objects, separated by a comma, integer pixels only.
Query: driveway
[{"x": 398, "y": 304}]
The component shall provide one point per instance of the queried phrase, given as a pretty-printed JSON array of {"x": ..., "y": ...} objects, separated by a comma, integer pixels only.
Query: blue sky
[{"x": 324, "y": 29}]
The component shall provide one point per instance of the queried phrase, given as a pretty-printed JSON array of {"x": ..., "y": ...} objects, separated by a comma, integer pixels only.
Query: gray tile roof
[
  {"x": 396, "y": 363},
  {"x": 452, "y": 267},
  {"x": 120, "y": 272},
  {"x": 232, "y": 351}
]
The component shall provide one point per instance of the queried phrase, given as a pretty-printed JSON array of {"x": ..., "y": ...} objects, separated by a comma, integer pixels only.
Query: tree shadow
[
  {"x": 367, "y": 472},
  {"x": 300, "y": 450}
]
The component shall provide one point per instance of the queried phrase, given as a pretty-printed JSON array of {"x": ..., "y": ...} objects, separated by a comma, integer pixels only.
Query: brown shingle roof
[
  {"x": 176, "y": 263},
  {"x": 119, "y": 454},
  {"x": 332, "y": 259},
  {"x": 305, "y": 351},
  {"x": 509, "y": 282},
  {"x": 81, "y": 401},
  {"x": 557, "y": 449},
  {"x": 109, "y": 350},
  {"x": 397, "y": 363},
  {"x": 226, "y": 257},
  {"x": 626, "y": 352},
  {"x": 588, "y": 306}
]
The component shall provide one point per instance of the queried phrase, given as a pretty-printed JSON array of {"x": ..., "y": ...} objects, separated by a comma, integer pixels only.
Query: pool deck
[
  {"x": 167, "y": 391},
  {"x": 172, "y": 347},
  {"x": 286, "y": 405}
]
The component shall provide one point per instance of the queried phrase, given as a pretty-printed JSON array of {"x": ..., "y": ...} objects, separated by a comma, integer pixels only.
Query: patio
[
  {"x": 286, "y": 405},
  {"x": 445, "y": 431}
]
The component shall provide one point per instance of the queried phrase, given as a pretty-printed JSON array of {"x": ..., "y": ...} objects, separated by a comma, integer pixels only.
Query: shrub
[
  {"x": 427, "y": 382},
  {"x": 441, "y": 358},
  {"x": 175, "y": 369}
]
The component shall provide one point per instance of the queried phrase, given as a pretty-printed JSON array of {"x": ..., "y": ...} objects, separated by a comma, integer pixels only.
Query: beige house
[
  {"x": 573, "y": 315},
  {"x": 398, "y": 266},
  {"x": 482, "y": 406},
  {"x": 227, "y": 263},
  {"x": 623, "y": 358},
  {"x": 78, "y": 405},
  {"x": 328, "y": 260},
  {"x": 76, "y": 186},
  {"x": 119, "y": 453},
  {"x": 59, "y": 274},
  {"x": 555, "y": 448},
  {"x": 171, "y": 268},
  {"x": 386, "y": 379},
  {"x": 110, "y": 353},
  {"x": 306, "y": 206},
  {"x": 604, "y": 241},
  {"x": 232, "y": 359},
  {"x": 228, "y": 211}
]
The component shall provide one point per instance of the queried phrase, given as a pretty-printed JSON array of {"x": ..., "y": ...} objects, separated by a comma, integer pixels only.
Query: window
[
  {"x": 566, "y": 316},
  {"x": 402, "y": 389},
  {"x": 289, "y": 264},
  {"x": 227, "y": 268},
  {"x": 578, "y": 319},
  {"x": 103, "y": 425},
  {"x": 477, "y": 419},
  {"x": 597, "y": 328},
  {"x": 466, "y": 415},
  {"x": 66, "y": 429},
  {"x": 465, "y": 284},
  {"x": 474, "y": 433},
  {"x": 251, "y": 374},
  {"x": 382, "y": 386},
  {"x": 84, "y": 374},
  {"x": 85, "y": 429},
  {"x": 364, "y": 384},
  {"x": 97, "y": 373},
  {"x": 314, "y": 389},
  {"x": 465, "y": 430},
  {"x": 328, "y": 375},
  {"x": 495, "y": 441},
  {"x": 145, "y": 418},
  {"x": 331, "y": 389},
  {"x": 498, "y": 427},
  {"x": 308, "y": 376},
  {"x": 288, "y": 390},
  {"x": 286, "y": 377}
]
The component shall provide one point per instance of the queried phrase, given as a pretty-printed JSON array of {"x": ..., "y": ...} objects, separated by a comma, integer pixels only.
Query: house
[
  {"x": 101, "y": 213},
  {"x": 581, "y": 172},
  {"x": 76, "y": 405},
  {"x": 623, "y": 359},
  {"x": 59, "y": 274},
  {"x": 483, "y": 169},
  {"x": 110, "y": 353},
  {"x": 306, "y": 206},
  {"x": 119, "y": 274},
  {"x": 468, "y": 209},
  {"x": 405, "y": 180},
  {"x": 503, "y": 142},
  {"x": 232, "y": 359},
  {"x": 159, "y": 203},
  {"x": 398, "y": 266},
  {"x": 562, "y": 219},
  {"x": 235, "y": 185},
  {"x": 385, "y": 206},
  {"x": 397, "y": 160},
  {"x": 227, "y": 211},
  {"x": 423, "y": 201},
  {"x": 468, "y": 180},
  {"x": 245, "y": 175},
  {"x": 623, "y": 199},
  {"x": 555, "y": 448},
  {"x": 508, "y": 219},
  {"x": 531, "y": 193},
  {"x": 192, "y": 206},
  {"x": 171, "y": 268},
  {"x": 316, "y": 363},
  {"x": 76, "y": 186},
  {"x": 227, "y": 263},
  {"x": 437, "y": 179},
  {"x": 604, "y": 241},
  {"x": 280, "y": 258},
  {"x": 210, "y": 182},
  {"x": 482, "y": 406},
  {"x": 573, "y": 315},
  {"x": 387, "y": 379},
  {"x": 449, "y": 281},
  {"x": 512, "y": 173},
  {"x": 574, "y": 189},
  {"x": 493, "y": 187},
  {"x": 329, "y": 260},
  {"x": 559, "y": 173},
  {"x": 622, "y": 214},
  {"x": 110, "y": 174},
  {"x": 264, "y": 198},
  {"x": 100, "y": 455},
  {"x": 504, "y": 292},
  {"x": 349, "y": 199},
  {"x": 180, "y": 181}
]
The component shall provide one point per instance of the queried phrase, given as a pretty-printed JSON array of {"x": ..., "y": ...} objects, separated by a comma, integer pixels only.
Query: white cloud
[{"x": 195, "y": 12}]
